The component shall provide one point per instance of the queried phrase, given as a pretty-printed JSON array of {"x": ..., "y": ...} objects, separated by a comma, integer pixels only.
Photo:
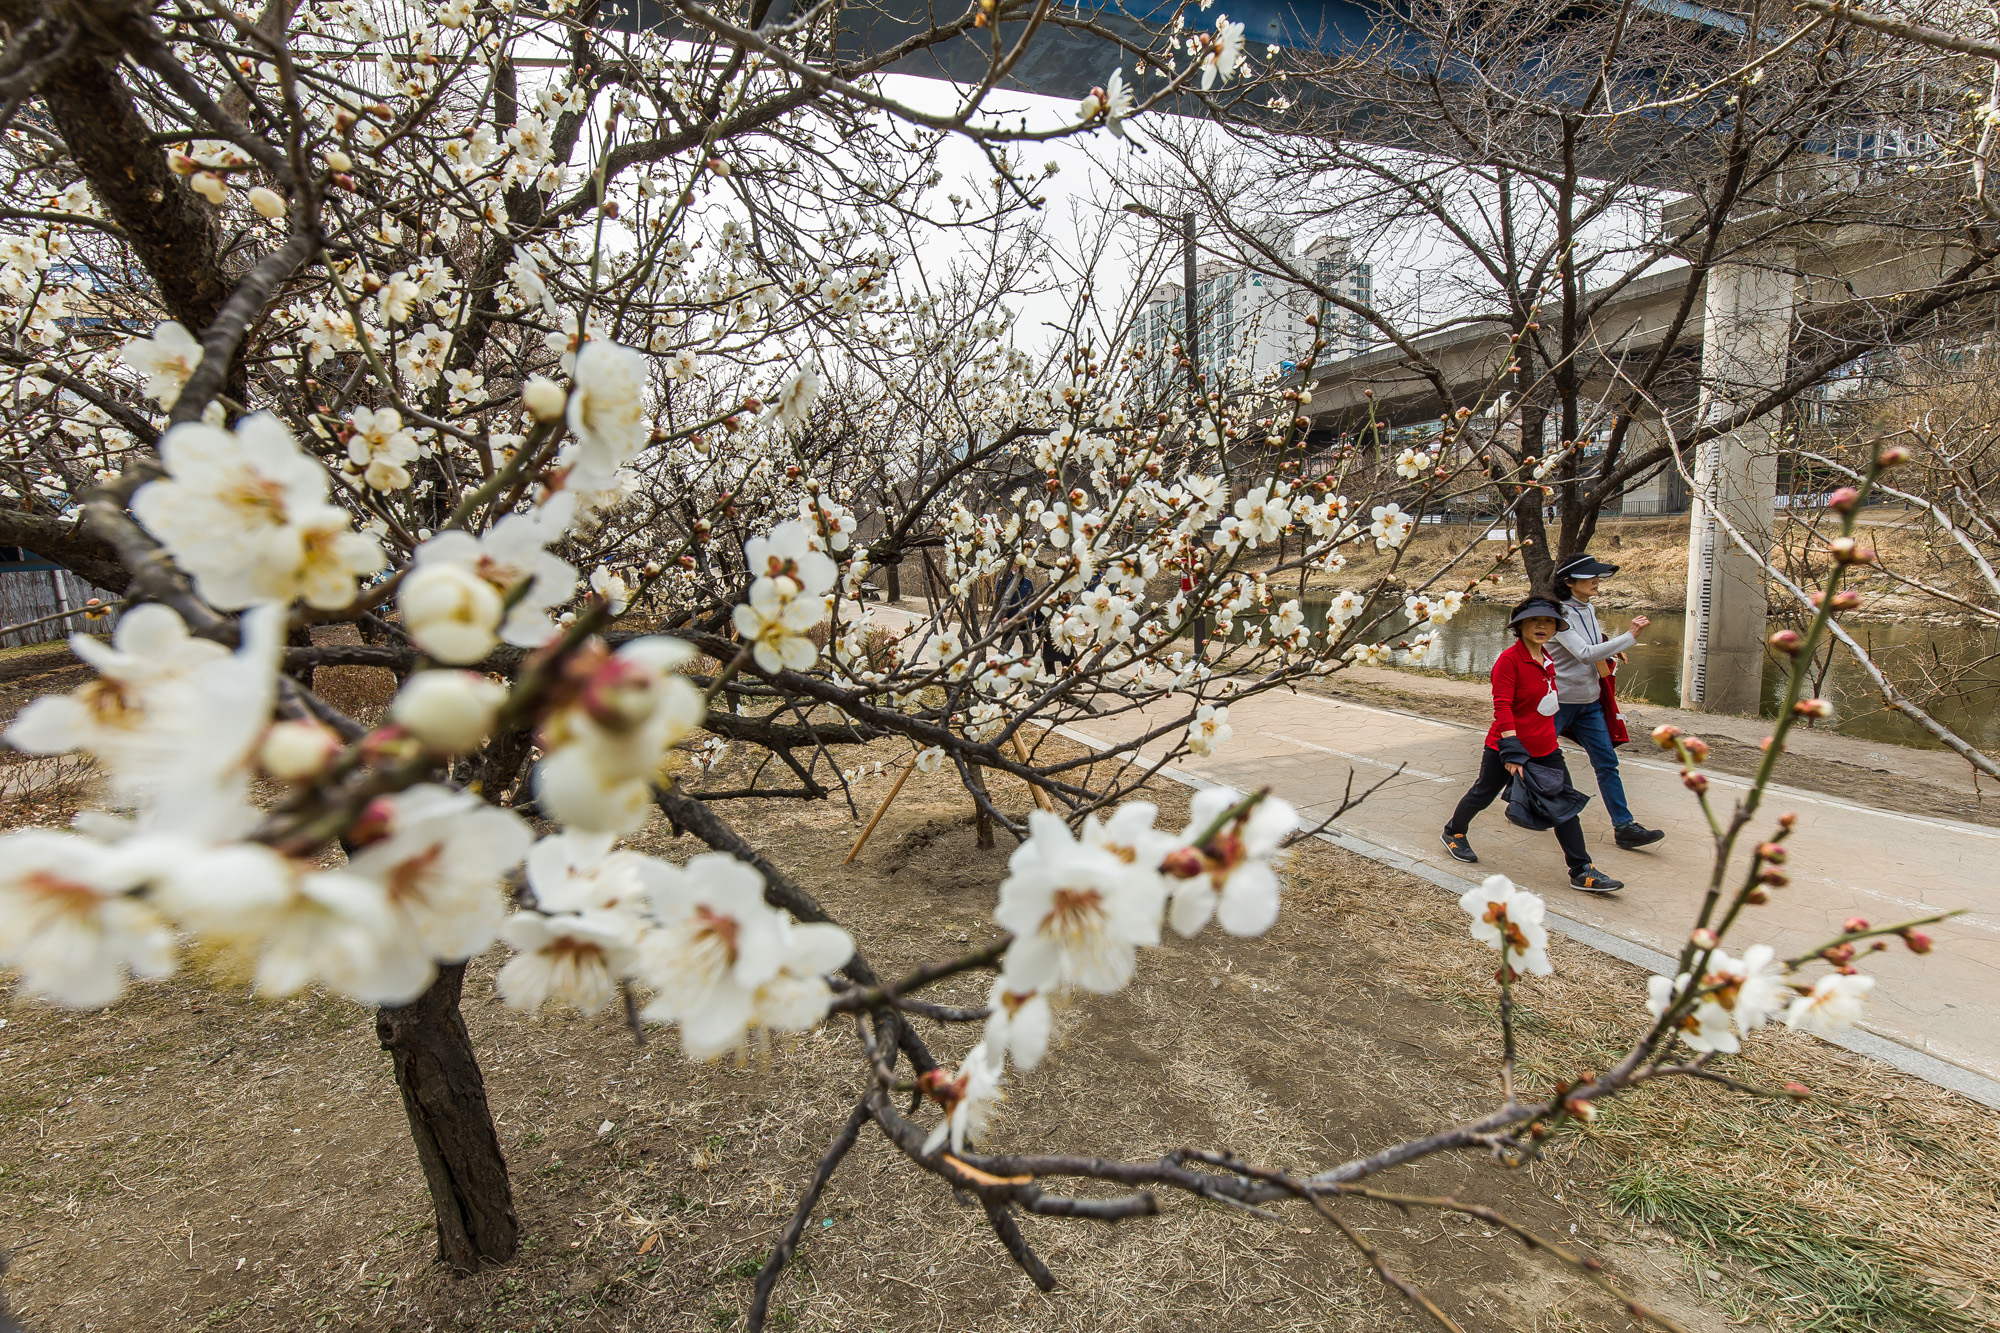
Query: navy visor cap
[
  {"x": 1539, "y": 606},
  {"x": 1584, "y": 565}
]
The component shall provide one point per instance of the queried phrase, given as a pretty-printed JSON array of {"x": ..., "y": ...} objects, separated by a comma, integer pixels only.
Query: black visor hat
[
  {"x": 1537, "y": 606},
  {"x": 1584, "y": 565}
]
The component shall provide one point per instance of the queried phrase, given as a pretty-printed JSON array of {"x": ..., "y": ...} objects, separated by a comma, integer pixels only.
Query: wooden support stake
[
  {"x": 881, "y": 810},
  {"x": 1041, "y": 797}
]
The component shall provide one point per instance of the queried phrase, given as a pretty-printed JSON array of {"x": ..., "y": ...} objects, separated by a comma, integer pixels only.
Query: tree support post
[{"x": 1746, "y": 345}]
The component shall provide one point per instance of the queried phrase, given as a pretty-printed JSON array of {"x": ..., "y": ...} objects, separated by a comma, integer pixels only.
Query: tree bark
[{"x": 444, "y": 1095}]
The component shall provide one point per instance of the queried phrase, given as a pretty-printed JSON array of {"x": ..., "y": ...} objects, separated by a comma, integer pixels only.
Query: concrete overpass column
[{"x": 1746, "y": 342}]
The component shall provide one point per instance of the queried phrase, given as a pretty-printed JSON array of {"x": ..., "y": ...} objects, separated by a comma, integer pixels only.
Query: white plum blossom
[
  {"x": 1078, "y": 913},
  {"x": 70, "y": 921},
  {"x": 1232, "y": 880},
  {"x": 795, "y": 399},
  {"x": 1510, "y": 919},
  {"x": 715, "y": 944},
  {"x": 166, "y": 359},
  {"x": 573, "y": 958},
  {"x": 612, "y": 740},
  {"x": 1836, "y": 1001},
  {"x": 1345, "y": 606},
  {"x": 774, "y": 622},
  {"x": 381, "y": 448},
  {"x": 1224, "y": 54},
  {"x": 1413, "y": 463},
  {"x": 797, "y": 995},
  {"x": 440, "y": 866},
  {"x": 1018, "y": 1024},
  {"x": 968, "y": 1098},
  {"x": 612, "y": 588},
  {"x": 448, "y": 615},
  {"x": 1390, "y": 526},
  {"x": 1705, "y": 1027},
  {"x": 1209, "y": 729},
  {"x": 607, "y": 410},
  {"x": 451, "y": 712},
  {"x": 246, "y": 514},
  {"x": 791, "y": 550},
  {"x": 582, "y": 872}
]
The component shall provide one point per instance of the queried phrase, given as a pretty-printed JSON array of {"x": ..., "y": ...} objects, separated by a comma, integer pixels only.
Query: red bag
[{"x": 1607, "y": 698}]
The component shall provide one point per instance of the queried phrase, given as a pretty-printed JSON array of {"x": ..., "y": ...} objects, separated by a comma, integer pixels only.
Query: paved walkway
[{"x": 1847, "y": 860}]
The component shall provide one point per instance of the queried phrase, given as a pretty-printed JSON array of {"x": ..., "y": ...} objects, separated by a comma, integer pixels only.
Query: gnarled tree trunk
[{"x": 445, "y": 1097}]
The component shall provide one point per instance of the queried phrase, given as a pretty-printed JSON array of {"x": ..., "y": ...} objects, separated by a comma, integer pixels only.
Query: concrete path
[{"x": 1847, "y": 860}]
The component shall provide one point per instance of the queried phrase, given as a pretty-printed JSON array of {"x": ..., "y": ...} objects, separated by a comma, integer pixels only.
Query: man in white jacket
[{"x": 1577, "y": 650}]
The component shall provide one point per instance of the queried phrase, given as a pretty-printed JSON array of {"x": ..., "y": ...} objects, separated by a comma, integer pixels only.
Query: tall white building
[{"x": 1249, "y": 323}]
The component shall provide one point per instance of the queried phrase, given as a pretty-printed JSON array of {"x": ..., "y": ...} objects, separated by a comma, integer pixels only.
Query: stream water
[{"x": 1478, "y": 633}]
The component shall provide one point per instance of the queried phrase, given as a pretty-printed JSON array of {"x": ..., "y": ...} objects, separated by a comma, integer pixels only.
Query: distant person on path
[
  {"x": 1523, "y": 734},
  {"x": 1586, "y": 702}
]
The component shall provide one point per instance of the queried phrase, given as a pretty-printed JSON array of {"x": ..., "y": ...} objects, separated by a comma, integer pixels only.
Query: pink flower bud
[
  {"x": 375, "y": 822},
  {"x": 1663, "y": 735},
  {"x": 1695, "y": 782},
  {"x": 1774, "y": 878},
  {"x": 1703, "y": 938},
  {"x": 1894, "y": 456},
  {"x": 1843, "y": 500},
  {"x": 1917, "y": 940},
  {"x": 1788, "y": 821},
  {"x": 1840, "y": 955},
  {"x": 1182, "y": 863},
  {"x": 1813, "y": 708},
  {"x": 1772, "y": 852},
  {"x": 1788, "y": 642},
  {"x": 1854, "y": 925},
  {"x": 1697, "y": 749}
]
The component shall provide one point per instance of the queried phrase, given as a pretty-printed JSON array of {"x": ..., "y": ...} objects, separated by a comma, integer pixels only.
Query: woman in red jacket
[{"x": 1524, "y": 732}]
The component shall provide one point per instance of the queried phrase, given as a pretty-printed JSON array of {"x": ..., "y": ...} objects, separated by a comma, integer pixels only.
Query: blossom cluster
[{"x": 1080, "y": 907}]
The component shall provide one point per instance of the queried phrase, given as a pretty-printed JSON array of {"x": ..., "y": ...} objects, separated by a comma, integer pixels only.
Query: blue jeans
[{"x": 1584, "y": 724}]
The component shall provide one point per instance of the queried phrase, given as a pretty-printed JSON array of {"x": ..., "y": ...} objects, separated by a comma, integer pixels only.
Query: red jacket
[{"x": 1519, "y": 685}]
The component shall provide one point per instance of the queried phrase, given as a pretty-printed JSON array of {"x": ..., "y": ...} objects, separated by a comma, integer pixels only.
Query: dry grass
[{"x": 200, "y": 1160}]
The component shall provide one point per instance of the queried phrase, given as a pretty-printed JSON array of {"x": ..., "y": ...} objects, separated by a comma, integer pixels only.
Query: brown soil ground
[{"x": 198, "y": 1159}]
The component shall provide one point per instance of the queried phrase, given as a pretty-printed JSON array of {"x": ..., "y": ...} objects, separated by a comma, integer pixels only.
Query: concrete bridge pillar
[{"x": 1746, "y": 342}]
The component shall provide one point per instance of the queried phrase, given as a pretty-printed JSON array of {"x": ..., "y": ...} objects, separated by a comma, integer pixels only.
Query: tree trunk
[
  {"x": 982, "y": 820},
  {"x": 445, "y": 1098}
]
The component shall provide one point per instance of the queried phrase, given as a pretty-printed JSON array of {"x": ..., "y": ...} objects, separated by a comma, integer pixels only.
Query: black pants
[{"x": 1492, "y": 782}]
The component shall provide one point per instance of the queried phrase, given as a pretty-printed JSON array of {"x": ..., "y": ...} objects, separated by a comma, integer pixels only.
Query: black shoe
[
  {"x": 1460, "y": 849},
  {"x": 1635, "y": 835},
  {"x": 1592, "y": 880}
]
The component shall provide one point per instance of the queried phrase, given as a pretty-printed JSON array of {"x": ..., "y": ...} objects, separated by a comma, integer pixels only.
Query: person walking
[
  {"x": 1586, "y": 700},
  {"x": 1523, "y": 735}
]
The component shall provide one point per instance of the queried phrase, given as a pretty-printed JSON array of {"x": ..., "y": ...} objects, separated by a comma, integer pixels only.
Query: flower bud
[
  {"x": 544, "y": 398},
  {"x": 1854, "y": 925},
  {"x": 450, "y": 612},
  {"x": 1894, "y": 456},
  {"x": 268, "y": 202},
  {"x": 375, "y": 822},
  {"x": 1813, "y": 708},
  {"x": 1697, "y": 749},
  {"x": 1917, "y": 940},
  {"x": 1773, "y": 852},
  {"x": 1843, "y": 500},
  {"x": 1788, "y": 642},
  {"x": 451, "y": 712},
  {"x": 1788, "y": 821},
  {"x": 1663, "y": 735},
  {"x": 1181, "y": 863},
  {"x": 338, "y": 161},
  {"x": 1840, "y": 955},
  {"x": 298, "y": 751},
  {"x": 1757, "y": 897},
  {"x": 1774, "y": 878},
  {"x": 1766, "y": 744},
  {"x": 1703, "y": 938},
  {"x": 1695, "y": 782}
]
